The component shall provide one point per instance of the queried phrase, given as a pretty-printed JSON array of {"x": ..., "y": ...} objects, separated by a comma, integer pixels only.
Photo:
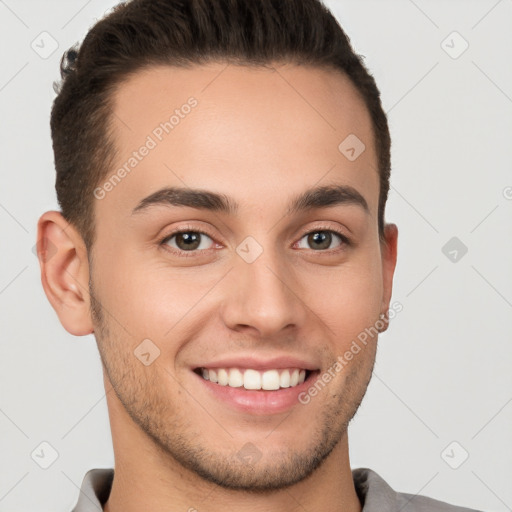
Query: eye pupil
[
  {"x": 190, "y": 240},
  {"x": 321, "y": 237}
]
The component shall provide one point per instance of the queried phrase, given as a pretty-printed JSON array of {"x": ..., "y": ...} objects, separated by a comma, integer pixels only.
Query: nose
[{"x": 262, "y": 297}]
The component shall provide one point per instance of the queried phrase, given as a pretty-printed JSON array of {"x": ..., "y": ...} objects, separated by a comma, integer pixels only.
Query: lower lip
[{"x": 254, "y": 401}]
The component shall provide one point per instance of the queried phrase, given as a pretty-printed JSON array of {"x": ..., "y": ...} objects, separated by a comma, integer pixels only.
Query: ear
[
  {"x": 389, "y": 255},
  {"x": 64, "y": 272}
]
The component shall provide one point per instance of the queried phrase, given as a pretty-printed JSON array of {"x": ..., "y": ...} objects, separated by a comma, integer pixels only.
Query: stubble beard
[{"x": 146, "y": 401}]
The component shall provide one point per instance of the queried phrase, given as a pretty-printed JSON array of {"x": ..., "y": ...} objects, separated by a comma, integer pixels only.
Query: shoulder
[
  {"x": 416, "y": 503},
  {"x": 377, "y": 496}
]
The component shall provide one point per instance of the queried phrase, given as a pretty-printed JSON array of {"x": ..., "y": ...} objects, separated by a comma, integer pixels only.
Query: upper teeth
[{"x": 254, "y": 379}]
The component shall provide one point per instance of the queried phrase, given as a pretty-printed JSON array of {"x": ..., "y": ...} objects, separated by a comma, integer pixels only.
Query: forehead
[{"x": 243, "y": 131}]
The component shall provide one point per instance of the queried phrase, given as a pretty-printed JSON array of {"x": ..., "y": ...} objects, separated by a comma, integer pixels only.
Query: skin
[{"x": 260, "y": 136}]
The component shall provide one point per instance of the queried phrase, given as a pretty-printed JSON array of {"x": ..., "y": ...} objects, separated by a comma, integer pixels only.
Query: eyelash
[{"x": 345, "y": 241}]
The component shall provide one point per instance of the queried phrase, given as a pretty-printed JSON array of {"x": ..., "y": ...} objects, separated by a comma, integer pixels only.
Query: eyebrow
[{"x": 318, "y": 197}]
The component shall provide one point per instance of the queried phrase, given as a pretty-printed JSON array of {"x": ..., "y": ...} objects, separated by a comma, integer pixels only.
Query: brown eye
[
  {"x": 187, "y": 241},
  {"x": 321, "y": 240}
]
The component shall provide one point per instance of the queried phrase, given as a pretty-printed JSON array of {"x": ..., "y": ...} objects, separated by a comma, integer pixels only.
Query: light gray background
[{"x": 443, "y": 370}]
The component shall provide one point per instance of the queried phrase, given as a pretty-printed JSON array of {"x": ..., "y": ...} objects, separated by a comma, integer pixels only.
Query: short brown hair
[{"x": 141, "y": 33}]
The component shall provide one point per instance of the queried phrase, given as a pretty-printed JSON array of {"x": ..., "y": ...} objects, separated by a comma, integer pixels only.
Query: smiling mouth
[{"x": 249, "y": 379}]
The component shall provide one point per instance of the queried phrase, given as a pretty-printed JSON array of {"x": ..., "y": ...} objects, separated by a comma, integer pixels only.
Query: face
[{"x": 250, "y": 278}]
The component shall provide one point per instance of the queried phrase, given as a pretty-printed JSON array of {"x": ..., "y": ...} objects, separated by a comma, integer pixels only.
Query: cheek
[
  {"x": 155, "y": 301},
  {"x": 347, "y": 298},
  {"x": 125, "y": 292}
]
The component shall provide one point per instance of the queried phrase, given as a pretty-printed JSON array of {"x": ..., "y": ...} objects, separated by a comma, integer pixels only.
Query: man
[{"x": 223, "y": 169}]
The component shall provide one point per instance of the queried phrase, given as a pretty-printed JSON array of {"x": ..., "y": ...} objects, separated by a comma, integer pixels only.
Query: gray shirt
[{"x": 373, "y": 492}]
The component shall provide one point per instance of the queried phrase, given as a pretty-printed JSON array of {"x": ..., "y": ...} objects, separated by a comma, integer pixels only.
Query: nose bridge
[{"x": 261, "y": 292}]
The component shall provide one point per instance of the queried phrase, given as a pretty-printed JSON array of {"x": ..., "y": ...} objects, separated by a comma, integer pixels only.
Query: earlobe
[
  {"x": 389, "y": 251},
  {"x": 64, "y": 272}
]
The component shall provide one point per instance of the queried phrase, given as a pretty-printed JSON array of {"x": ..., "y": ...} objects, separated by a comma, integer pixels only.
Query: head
[
  {"x": 188, "y": 34},
  {"x": 249, "y": 108}
]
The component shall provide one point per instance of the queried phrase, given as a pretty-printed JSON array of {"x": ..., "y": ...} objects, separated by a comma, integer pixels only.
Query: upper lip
[{"x": 252, "y": 362}]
